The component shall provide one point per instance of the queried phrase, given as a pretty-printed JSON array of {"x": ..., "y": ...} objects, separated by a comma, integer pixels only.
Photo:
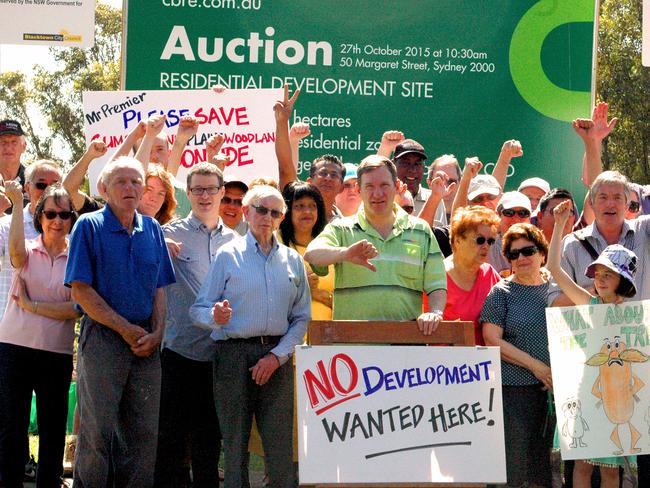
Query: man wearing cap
[
  {"x": 513, "y": 208},
  {"x": 534, "y": 189},
  {"x": 408, "y": 258},
  {"x": 409, "y": 157},
  {"x": 348, "y": 200},
  {"x": 12, "y": 147},
  {"x": 230, "y": 209}
]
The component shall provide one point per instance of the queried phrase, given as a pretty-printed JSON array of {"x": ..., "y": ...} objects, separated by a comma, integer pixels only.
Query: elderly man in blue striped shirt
[{"x": 256, "y": 299}]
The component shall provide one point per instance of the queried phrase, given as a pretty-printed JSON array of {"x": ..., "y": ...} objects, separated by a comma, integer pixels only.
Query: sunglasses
[
  {"x": 480, "y": 240},
  {"x": 41, "y": 185},
  {"x": 527, "y": 251},
  {"x": 231, "y": 201},
  {"x": 634, "y": 207},
  {"x": 63, "y": 214},
  {"x": 276, "y": 214},
  {"x": 408, "y": 209},
  {"x": 197, "y": 191},
  {"x": 509, "y": 212}
]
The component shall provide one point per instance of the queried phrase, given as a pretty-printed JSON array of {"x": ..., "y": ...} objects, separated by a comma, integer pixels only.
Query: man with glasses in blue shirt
[{"x": 256, "y": 301}]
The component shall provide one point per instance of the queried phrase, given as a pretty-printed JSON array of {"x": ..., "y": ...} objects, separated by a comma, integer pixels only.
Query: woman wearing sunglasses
[
  {"x": 469, "y": 276},
  {"x": 36, "y": 336},
  {"x": 514, "y": 319}
]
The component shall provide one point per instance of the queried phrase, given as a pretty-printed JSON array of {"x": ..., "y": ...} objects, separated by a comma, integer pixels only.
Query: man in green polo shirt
[{"x": 383, "y": 257}]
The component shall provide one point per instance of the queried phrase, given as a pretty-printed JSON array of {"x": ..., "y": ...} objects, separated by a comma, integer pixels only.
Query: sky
[{"x": 14, "y": 57}]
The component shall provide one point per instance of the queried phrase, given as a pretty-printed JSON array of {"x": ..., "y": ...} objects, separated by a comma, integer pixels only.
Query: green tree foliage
[
  {"x": 624, "y": 83},
  {"x": 57, "y": 94},
  {"x": 15, "y": 98}
]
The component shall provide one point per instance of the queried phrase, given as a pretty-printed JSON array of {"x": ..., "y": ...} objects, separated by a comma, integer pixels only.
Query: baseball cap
[
  {"x": 409, "y": 146},
  {"x": 350, "y": 172},
  {"x": 233, "y": 182},
  {"x": 514, "y": 199},
  {"x": 620, "y": 260},
  {"x": 481, "y": 184},
  {"x": 11, "y": 127},
  {"x": 537, "y": 183}
]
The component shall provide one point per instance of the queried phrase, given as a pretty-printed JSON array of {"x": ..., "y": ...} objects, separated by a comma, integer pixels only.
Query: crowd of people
[{"x": 192, "y": 296}]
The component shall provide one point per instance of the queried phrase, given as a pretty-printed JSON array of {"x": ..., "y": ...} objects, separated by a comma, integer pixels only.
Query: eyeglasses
[
  {"x": 408, "y": 209},
  {"x": 232, "y": 201},
  {"x": 486, "y": 197},
  {"x": 528, "y": 251},
  {"x": 63, "y": 214},
  {"x": 197, "y": 191},
  {"x": 509, "y": 212},
  {"x": 634, "y": 207},
  {"x": 276, "y": 214},
  {"x": 480, "y": 240},
  {"x": 335, "y": 175}
]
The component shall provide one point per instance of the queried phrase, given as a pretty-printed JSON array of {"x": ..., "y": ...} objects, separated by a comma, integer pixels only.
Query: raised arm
[
  {"x": 283, "y": 109},
  {"x": 154, "y": 125},
  {"x": 75, "y": 177},
  {"x": 298, "y": 131},
  {"x": 129, "y": 141},
  {"x": 187, "y": 128},
  {"x": 577, "y": 294},
  {"x": 471, "y": 169},
  {"x": 439, "y": 190},
  {"x": 592, "y": 132},
  {"x": 17, "y": 250},
  {"x": 511, "y": 149},
  {"x": 389, "y": 141}
]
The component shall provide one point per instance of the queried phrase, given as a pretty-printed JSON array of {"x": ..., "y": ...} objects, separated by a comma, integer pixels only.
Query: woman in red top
[{"x": 469, "y": 277}]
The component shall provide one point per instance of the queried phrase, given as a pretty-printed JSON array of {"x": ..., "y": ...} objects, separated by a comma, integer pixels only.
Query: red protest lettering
[
  {"x": 326, "y": 385},
  {"x": 110, "y": 141},
  {"x": 241, "y": 116},
  {"x": 322, "y": 384},
  {"x": 352, "y": 369}
]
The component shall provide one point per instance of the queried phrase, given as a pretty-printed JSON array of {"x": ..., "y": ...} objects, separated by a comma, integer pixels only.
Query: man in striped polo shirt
[{"x": 383, "y": 257}]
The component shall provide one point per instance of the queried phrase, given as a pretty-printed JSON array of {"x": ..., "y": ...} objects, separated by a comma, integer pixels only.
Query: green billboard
[{"x": 459, "y": 76}]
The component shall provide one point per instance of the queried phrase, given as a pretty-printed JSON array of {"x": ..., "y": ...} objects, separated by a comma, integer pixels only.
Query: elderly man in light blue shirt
[
  {"x": 256, "y": 300},
  {"x": 187, "y": 412}
]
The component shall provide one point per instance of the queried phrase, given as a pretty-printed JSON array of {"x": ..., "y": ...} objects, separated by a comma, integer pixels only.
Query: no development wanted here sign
[{"x": 378, "y": 414}]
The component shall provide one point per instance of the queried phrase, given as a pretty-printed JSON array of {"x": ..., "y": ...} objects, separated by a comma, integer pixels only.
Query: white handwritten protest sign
[
  {"x": 599, "y": 358},
  {"x": 399, "y": 414},
  {"x": 244, "y": 117}
]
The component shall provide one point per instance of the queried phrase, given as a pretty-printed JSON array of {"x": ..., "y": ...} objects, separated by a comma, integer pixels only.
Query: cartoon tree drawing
[{"x": 617, "y": 386}]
